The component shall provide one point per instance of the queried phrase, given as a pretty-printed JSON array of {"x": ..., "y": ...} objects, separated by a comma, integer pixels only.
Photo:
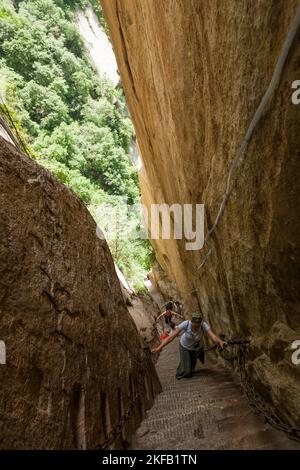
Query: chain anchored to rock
[
  {"x": 118, "y": 429},
  {"x": 235, "y": 351}
]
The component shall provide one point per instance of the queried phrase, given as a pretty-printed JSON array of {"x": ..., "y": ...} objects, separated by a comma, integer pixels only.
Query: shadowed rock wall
[{"x": 75, "y": 361}]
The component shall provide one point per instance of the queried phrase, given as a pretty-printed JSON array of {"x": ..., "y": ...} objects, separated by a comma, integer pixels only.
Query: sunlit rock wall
[{"x": 194, "y": 74}]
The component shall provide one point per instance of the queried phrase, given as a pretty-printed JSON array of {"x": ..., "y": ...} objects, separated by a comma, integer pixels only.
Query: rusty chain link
[
  {"x": 8, "y": 124},
  {"x": 256, "y": 400},
  {"x": 118, "y": 429}
]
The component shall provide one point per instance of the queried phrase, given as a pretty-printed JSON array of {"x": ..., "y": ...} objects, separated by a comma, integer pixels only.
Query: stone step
[{"x": 207, "y": 411}]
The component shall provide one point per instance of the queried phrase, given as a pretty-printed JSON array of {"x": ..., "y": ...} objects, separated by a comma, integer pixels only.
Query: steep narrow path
[{"x": 207, "y": 411}]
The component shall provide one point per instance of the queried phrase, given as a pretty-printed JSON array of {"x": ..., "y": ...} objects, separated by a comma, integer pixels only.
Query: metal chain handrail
[
  {"x": 275, "y": 80},
  {"x": 255, "y": 399},
  {"x": 118, "y": 429}
]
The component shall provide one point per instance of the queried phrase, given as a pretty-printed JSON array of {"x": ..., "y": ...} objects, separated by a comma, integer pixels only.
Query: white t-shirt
[{"x": 192, "y": 340}]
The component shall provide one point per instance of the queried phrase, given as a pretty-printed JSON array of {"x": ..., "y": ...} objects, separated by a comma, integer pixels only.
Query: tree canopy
[{"x": 74, "y": 121}]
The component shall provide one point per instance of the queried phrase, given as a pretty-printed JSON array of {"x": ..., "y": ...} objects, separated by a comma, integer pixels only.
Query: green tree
[{"x": 74, "y": 121}]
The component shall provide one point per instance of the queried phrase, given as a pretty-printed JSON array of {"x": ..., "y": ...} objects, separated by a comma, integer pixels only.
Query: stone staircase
[{"x": 207, "y": 411}]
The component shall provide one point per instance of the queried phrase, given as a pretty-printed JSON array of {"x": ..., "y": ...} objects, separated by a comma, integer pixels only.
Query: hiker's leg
[
  {"x": 201, "y": 355},
  {"x": 194, "y": 356},
  {"x": 184, "y": 368}
]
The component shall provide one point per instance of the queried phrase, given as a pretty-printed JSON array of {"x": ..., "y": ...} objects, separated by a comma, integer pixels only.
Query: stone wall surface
[
  {"x": 74, "y": 359},
  {"x": 194, "y": 73},
  {"x": 163, "y": 282}
]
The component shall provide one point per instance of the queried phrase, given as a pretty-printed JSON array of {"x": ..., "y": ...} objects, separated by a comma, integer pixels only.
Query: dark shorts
[{"x": 169, "y": 322}]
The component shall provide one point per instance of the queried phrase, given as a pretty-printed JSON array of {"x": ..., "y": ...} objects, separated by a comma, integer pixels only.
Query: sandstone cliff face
[
  {"x": 75, "y": 362},
  {"x": 194, "y": 73},
  {"x": 163, "y": 282}
]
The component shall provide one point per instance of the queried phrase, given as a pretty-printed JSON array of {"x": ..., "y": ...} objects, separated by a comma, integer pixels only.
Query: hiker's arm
[
  {"x": 177, "y": 314},
  {"x": 215, "y": 338},
  {"x": 161, "y": 315},
  {"x": 167, "y": 341}
]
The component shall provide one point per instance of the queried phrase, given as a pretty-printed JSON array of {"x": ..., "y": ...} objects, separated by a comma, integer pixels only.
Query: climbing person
[
  {"x": 168, "y": 314},
  {"x": 191, "y": 345},
  {"x": 173, "y": 305}
]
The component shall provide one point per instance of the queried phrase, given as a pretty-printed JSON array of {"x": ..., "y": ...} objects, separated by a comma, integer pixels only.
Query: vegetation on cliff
[{"x": 73, "y": 121}]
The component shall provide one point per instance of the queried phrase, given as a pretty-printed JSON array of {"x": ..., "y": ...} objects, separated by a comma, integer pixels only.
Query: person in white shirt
[{"x": 191, "y": 343}]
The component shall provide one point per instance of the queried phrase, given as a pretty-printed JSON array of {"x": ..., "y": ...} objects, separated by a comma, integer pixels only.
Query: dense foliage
[{"x": 73, "y": 120}]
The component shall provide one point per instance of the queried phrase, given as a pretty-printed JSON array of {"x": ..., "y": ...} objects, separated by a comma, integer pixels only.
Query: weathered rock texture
[
  {"x": 194, "y": 73},
  {"x": 143, "y": 312},
  {"x": 75, "y": 362},
  {"x": 163, "y": 282}
]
